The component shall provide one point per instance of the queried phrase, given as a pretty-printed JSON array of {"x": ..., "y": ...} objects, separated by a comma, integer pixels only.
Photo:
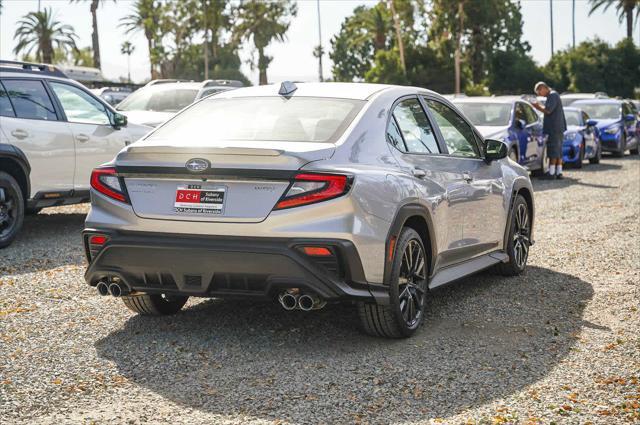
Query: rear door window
[
  {"x": 30, "y": 99},
  {"x": 415, "y": 127},
  {"x": 6, "y": 110}
]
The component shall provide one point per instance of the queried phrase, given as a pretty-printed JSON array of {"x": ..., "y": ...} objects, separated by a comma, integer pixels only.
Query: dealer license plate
[{"x": 196, "y": 199}]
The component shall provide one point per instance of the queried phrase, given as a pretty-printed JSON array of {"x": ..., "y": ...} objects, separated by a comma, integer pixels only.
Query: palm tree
[
  {"x": 127, "y": 48},
  {"x": 263, "y": 22},
  {"x": 39, "y": 31},
  {"x": 95, "y": 42},
  {"x": 624, "y": 8},
  {"x": 146, "y": 16}
]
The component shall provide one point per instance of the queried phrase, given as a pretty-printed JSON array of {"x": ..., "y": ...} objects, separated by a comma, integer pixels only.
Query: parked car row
[{"x": 595, "y": 124}]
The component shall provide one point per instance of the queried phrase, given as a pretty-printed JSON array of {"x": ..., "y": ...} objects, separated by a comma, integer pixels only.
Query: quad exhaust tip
[
  {"x": 293, "y": 300},
  {"x": 116, "y": 290},
  {"x": 103, "y": 288}
]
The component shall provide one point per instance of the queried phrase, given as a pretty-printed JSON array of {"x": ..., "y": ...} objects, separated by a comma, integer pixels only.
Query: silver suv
[
  {"x": 53, "y": 133},
  {"x": 160, "y": 100},
  {"x": 308, "y": 194}
]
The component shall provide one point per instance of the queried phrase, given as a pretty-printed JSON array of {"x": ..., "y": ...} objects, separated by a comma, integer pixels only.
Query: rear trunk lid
[{"x": 242, "y": 181}]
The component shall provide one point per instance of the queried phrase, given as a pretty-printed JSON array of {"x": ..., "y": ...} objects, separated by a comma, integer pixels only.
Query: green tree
[
  {"x": 624, "y": 8},
  {"x": 488, "y": 26},
  {"x": 147, "y": 16},
  {"x": 40, "y": 32},
  {"x": 513, "y": 72},
  {"x": 263, "y": 22},
  {"x": 126, "y": 48},
  {"x": 95, "y": 41}
]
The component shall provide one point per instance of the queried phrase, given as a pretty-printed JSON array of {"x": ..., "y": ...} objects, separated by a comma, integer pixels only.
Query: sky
[{"x": 293, "y": 59}]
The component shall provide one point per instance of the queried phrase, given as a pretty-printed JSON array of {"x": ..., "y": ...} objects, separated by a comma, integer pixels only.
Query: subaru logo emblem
[{"x": 197, "y": 165}]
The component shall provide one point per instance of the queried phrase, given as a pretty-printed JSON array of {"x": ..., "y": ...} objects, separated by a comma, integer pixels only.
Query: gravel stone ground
[{"x": 560, "y": 344}]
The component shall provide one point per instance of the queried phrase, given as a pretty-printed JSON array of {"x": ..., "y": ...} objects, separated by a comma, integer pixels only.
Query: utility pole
[
  {"x": 396, "y": 24},
  {"x": 320, "y": 52},
  {"x": 459, "y": 47},
  {"x": 206, "y": 44},
  {"x": 551, "y": 19},
  {"x": 573, "y": 21}
]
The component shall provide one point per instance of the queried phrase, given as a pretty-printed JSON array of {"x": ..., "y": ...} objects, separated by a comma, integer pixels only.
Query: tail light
[
  {"x": 104, "y": 180},
  {"x": 311, "y": 188}
]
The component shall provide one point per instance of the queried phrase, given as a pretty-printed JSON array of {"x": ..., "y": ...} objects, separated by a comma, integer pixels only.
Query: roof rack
[
  {"x": 166, "y": 81},
  {"x": 32, "y": 68},
  {"x": 230, "y": 83}
]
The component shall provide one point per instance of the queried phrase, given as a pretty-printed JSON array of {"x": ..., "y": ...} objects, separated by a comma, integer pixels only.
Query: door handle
[
  {"x": 82, "y": 138},
  {"x": 467, "y": 177},
  {"x": 417, "y": 172},
  {"x": 19, "y": 134}
]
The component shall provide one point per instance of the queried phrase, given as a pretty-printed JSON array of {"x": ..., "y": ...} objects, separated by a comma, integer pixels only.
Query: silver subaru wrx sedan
[{"x": 308, "y": 194}]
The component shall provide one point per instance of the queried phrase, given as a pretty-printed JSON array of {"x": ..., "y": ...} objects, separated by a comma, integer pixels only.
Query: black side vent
[{"x": 330, "y": 264}]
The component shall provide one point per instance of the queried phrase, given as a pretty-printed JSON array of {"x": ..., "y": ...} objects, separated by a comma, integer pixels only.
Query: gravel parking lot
[{"x": 559, "y": 344}]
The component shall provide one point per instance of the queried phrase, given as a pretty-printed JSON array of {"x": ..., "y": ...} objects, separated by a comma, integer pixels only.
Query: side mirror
[
  {"x": 591, "y": 123},
  {"x": 119, "y": 120},
  {"x": 629, "y": 117},
  {"x": 520, "y": 124},
  {"x": 494, "y": 150}
]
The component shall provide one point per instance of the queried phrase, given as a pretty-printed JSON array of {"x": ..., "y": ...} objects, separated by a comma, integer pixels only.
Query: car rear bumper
[{"x": 244, "y": 267}]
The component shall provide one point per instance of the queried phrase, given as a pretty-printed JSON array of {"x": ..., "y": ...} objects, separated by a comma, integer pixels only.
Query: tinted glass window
[
  {"x": 79, "y": 106},
  {"x": 261, "y": 119},
  {"x": 601, "y": 111},
  {"x": 159, "y": 99},
  {"x": 486, "y": 114},
  {"x": 6, "y": 110},
  {"x": 532, "y": 116},
  {"x": 585, "y": 117},
  {"x": 572, "y": 117},
  {"x": 520, "y": 112},
  {"x": 457, "y": 134},
  {"x": 415, "y": 128},
  {"x": 394, "y": 137},
  {"x": 30, "y": 99}
]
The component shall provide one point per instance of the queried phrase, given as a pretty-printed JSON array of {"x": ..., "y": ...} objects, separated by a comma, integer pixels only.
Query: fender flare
[
  {"x": 16, "y": 155},
  {"x": 401, "y": 216},
  {"x": 519, "y": 184}
]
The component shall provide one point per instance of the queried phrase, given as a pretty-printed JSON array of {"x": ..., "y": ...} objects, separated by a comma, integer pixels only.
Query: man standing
[{"x": 554, "y": 126}]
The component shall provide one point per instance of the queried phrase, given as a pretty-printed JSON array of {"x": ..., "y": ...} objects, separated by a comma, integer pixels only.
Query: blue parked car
[
  {"x": 617, "y": 124},
  {"x": 512, "y": 120},
  {"x": 581, "y": 140}
]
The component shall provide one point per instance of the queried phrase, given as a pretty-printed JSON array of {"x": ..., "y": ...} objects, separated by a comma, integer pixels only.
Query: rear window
[
  {"x": 572, "y": 117},
  {"x": 158, "y": 99},
  {"x": 486, "y": 114},
  {"x": 296, "y": 119}
]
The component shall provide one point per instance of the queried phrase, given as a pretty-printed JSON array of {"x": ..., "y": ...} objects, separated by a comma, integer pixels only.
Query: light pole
[
  {"x": 320, "y": 52},
  {"x": 573, "y": 21},
  {"x": 551, "y": 19}
]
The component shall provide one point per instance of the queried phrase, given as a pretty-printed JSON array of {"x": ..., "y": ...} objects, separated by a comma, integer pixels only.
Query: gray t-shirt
[{"x": 554, "y": 122}]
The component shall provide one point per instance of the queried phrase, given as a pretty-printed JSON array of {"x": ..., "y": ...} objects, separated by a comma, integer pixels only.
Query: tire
[
  {"x": 154, "y": 304},
  {"x": 544, "y": 165},
  {"x": 596, "y": 158},
  {"x": 623, "y": 147},
  {"x": 407, "y": 289},
  {"x": 11, "y": 209},
  {"x": 580, "y": 157},
  {"x": 519, "y": 231}
]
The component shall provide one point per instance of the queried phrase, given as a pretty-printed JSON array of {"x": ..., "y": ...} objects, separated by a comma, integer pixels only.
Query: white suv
[{"x": 53, "y": 132}]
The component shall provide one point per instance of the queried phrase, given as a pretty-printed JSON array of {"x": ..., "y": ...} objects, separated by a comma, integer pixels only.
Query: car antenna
[{"x": 287, "y": 88}]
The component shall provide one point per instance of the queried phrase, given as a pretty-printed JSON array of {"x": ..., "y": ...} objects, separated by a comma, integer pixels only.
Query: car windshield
[
  {"x": 601, "y": 111},
  {"x": 159, "y": 99},
  {"x": 572, "y": 117},
  {"x": 296, "y": 119},
  {"x": 486, "y": 114}
]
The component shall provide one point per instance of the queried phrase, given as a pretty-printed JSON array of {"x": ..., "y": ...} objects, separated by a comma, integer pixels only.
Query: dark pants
[{"x": 554, "y": 145}]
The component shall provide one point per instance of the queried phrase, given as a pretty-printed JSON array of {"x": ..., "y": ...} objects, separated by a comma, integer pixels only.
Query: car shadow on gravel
[
  {"x": 485, "y": 337},
  {"x": 44, "y": 243},
  {"x": 542, "y": 185}
]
